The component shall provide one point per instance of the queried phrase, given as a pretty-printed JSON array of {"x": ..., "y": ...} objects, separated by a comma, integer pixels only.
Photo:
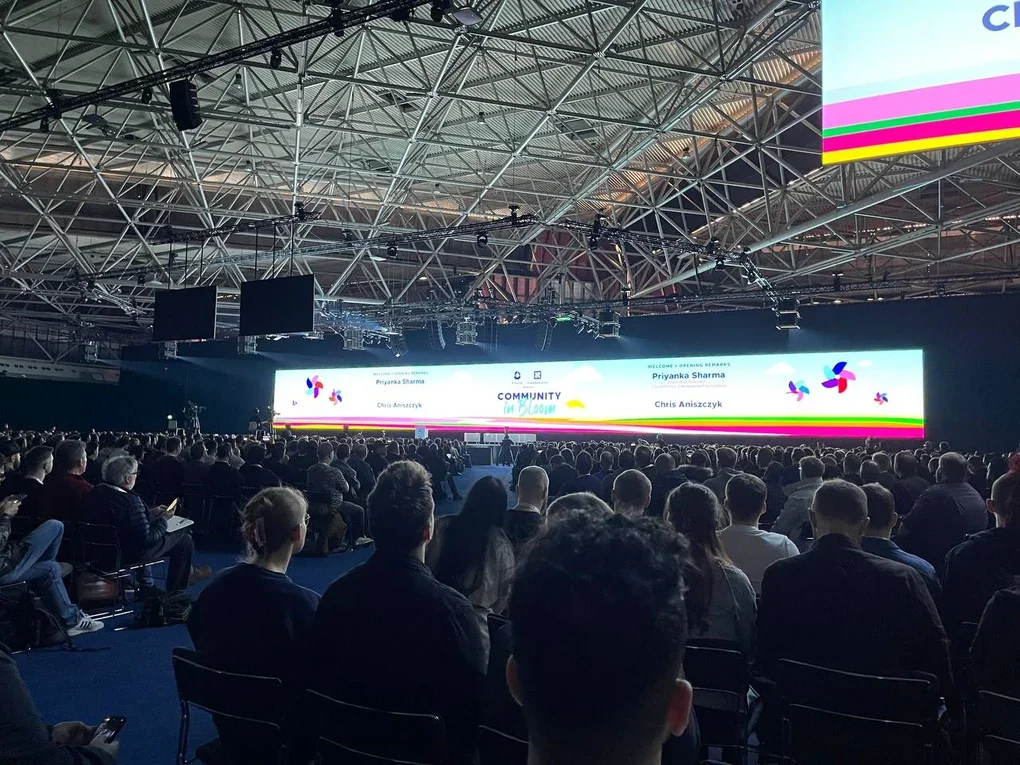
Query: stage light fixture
[
  {"x": 439, "y": 9},
  {"x": 787, "y": 313},
  {"x": 837, "y": 282},
  {"x": 401, "y": 14},
  {"x": 247, "y": 345},
  {"x": 609, "y": 323},
  {"x": 467, "y": 331},
  {"x": 141, "y": 280},
  {"x": 354, "y": 339},
  {"x": 299, "y": 211},
  {"x": 468, "y": 16},
  {"x": 348, "y": 235},
  {"x": 275, "y": 58},
  {"x": 437, "y": 340},
  {"x": 147, "y": 96},
  {"x": 398, "y": 344},
  {"x": 543, "y": 339},
  {"x": 91, "y": 352},
  {"x": 391, "y": 250},
  {"x": 168, "y": 351},
  {"x": 44, "y": 125},
  {"x": 483, "y": 240}
]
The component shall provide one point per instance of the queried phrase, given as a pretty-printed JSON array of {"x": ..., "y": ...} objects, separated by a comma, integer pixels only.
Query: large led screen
[
  {"x": 851, "y": 394},
  {"x": 911, "y": 75}
]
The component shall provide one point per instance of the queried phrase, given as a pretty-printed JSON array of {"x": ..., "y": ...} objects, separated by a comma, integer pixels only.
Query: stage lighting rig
[
  {"x": 247, "y": 345},
  {"x": 787, "y": 313},
  {"x": 609, "y": 323},
  {"x": 467, "y": 331},
  {"x": 167, "y": 351},
  {"x": 482, "y": 240},
  {"x": 398, "y": 344},
  {"x": 391, "y": 250},
  {"x": 275, "y": 58},
  {"x": 354, "y": 339},
  {"x": 91, "y": 352},
  {"x": 439, "y": 9}
]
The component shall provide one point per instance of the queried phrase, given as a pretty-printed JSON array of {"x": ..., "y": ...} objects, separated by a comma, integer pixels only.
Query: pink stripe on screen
[
  {"x": 939, "y": 98},
  {"x": 978, "y": 123}
]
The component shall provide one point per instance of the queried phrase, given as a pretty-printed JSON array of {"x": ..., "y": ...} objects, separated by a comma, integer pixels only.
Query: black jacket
[
  {"x": 941, "y": 518},
  {"x": 366, "y": 476},
  {"x": 995, "y": 654},
  {"x": 109, "y": 505},
  {"x": 840, "y": 607},
  {"x": 224, "y": 480},
  {"x": 257, "y": 477},
  {"x": 906, "y": 492},
  {"x": 975, "y": 570}
]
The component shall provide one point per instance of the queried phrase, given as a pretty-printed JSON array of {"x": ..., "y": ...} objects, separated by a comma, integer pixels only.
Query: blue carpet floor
[{"x": 126, "y": 671}]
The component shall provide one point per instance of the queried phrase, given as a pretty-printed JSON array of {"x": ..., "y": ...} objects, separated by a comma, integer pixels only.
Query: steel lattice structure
[{"x": 691, "y": 120}]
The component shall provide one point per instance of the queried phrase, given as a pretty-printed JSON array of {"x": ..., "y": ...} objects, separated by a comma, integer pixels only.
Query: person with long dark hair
[
  {"x": 720, "y": 599},
  {"x": 471, "y": 553}
]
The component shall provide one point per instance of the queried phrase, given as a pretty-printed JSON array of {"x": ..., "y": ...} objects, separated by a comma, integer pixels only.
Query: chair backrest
[
  {"x": 100, "y": 546},
  {"x": 716, "y": 664},
  {"x": 999, "y": 718},
  {"x": 823, "y": 737},
  {"x": 260, "y": 701},
  {"x": 897, "y": 699},
  {"x": 498, "y": 748},
  {"x": 353, "y": 734}
]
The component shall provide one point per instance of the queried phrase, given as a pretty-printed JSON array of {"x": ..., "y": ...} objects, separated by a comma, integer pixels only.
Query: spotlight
[
  {"x": 468, "y": 16},
  {"x": 348, "y": 235},
  {"x": 439, "y": 9},
  {"x": 91, "y": 352},
  {"x": 299, "y": 211},
  {"x": 837, "y": 282},
  {"x": 481, "y": 118},
  {"x": 168, "y": 351},
  {"x": 391, "y": 250},
  {"x": 401, "y": 14},
  {"x": 44, "y": 125},
  {"x": 398, "y": 344},
  {"x": 609, "y": 323},
  {"x": 543, "y": 338},
  {"x": 354, "y": 339},
  {"x": 275, "y": 58},
  {"x": 483, "y": 240},
  {"x": 787, "y": 313},
  {"x": 239, "y": 81},
  {"x": 91, "y": 285},
  {"x": 247, "y": 345},
  {"x": 147, "y": 96},
  {"x": 467, "y": 331},
  {"x": 141, "y": 280}
]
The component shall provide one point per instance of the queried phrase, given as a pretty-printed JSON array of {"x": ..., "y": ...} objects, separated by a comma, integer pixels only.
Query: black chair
[
  {"x": 248, "y": 709},
  {"x": 999, "y": 724},
  {"x": 838, "y": 718},
  {"x": 498, "y": 748},
  {"x": 23, "y": 525},
  {"x": 101, "y": 553},
  {"x": 194, "y": 504},
  {"x": 717, "y": 670},
  {"x": 349, "y": 734}
]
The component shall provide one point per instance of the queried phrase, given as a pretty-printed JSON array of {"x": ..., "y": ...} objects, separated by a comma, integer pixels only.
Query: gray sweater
[{"x": 24, "y": 739}]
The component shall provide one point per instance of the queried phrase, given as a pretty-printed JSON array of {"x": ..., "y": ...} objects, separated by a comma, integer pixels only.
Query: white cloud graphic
[
  {"x": 585, "y": 374},
  {"x": 781, "y": 368}
]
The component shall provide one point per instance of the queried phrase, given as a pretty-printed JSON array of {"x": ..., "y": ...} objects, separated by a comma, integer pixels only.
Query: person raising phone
[{"x": 34, "y": 560}]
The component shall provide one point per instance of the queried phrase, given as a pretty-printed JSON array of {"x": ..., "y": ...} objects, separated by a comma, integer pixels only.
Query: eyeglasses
[{"x": 307, "y": 519}]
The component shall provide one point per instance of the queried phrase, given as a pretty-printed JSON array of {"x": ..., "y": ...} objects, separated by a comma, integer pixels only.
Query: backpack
[
  {"x": 164, "y": 610},
  {"x": 26, "y": 624}
]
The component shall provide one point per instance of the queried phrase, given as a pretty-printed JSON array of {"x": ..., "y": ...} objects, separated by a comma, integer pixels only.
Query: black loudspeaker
[
  {"x": 543, "y": 338},
  {"x": 437, "y": 341},
  {"x": 184, "y": 105}
]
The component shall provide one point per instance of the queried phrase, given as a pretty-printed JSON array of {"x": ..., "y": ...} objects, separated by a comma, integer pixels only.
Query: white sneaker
[
  {"x": 361, "y": 541},
  {"x": 87, "y": 624}
]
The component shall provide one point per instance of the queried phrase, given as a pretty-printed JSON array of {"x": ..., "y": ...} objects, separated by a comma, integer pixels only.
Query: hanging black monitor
[
  {"x": 278, "y": 306},
  {"x": 186, "y": 314}
]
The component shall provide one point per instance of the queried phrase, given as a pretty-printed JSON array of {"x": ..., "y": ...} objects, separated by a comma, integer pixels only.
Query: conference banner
[
  {"x": 851, "y": 394},
  {"x": 914, "y": 75}
]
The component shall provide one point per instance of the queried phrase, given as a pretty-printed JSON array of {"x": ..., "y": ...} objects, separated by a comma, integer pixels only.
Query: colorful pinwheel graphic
[
  {"x": 799, "y": 389},
  {"x": 314, "y": 386},
  {"x": 881, "y": 398},
  {"x": 335, "y": 397},
  {"x": 838, "y": 377}
]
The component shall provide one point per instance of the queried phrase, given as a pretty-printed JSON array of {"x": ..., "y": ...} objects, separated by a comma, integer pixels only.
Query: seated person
[
  {"x": 748, "y": 547},
  {"x": 987, "y": 562},
  {"x": 388, "y": 635},
  {"x": 995, "y": 652},
  {"x": 840, "y": 607},
  {"x": 34, "y": 560},
  {"x": 252, "y": 473},
  {"x": 223, "y": 479},
  {"x": 882, "y": 519},
  {"x": 29, "y": 480},
  {"x": 527, "y": 517},
  {"x": 601, "y": 681},
  {"x": 333, "y": 519},
  {"x": 720, "y": 599},
  {"x": 632, "y": 493},
  {"x": 251, "y": 618},
  {"x": 26, "y": 740},
  {"x": 794, "y": 520},
  {"x": 579, "y": 502},
  {"x": 364, "y": 471},
  {"x": 141, "y": 531},
  {"x": 65, "y": 490},
  {"x": 585, "y": 481},
  {"x": 196, "y": 471}
]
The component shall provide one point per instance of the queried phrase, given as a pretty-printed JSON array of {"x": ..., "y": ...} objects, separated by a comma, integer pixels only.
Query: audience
[
  {"x": 141, "y": 531},
  {"x": 224, "y": 480},
  {"x": 838, "y": 606},
  {"x": 30, "y": 480},
  {"x": 852, "y": 468},
  {"x": 727, "y": 459},
  {"x": 909, "y": 486},
  {"x": 34, "y": 560},
  {"x": 794, "y": 520},
  {"x": 719, "y": 597},
  {"x": 748, "y": 547},
  {"x": 168, "y": 471},
  {"x": 253, "y": 474},
  {"x": 882, "y": 519},
  {"x": 944, "y": 514},
  {"x": 581, "y": 502},
  {"x": 388, "y": 635},
  {"x": 585, "y": 481},
  {"x": 333, "y": 519},
  {"x": 527, "y": 517},
  {"x": 470, "y": 553},
  {"x": 561, "y": 472},
  {"x": 196, "y": 470},
  {"x": 363, "y": 470},
  {"x": 626, "y": 461},
  {"x": 632, "y": 493},
  {"x": 601, "y": 681},
  {"x": 64, "y": 489},
  {"x": 987, "y": 562},
  {"x": 995, "y": 652}
]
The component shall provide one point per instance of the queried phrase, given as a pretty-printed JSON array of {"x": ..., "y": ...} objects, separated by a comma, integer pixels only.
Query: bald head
[
  {"x": 953, "y": 467},
  {"x": 533, "y": 487},
  {"x": 632, "y": 491}
]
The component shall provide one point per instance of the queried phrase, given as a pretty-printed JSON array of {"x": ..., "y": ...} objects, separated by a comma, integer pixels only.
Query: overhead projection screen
[
  {"x": 914, "y": 75},
  {"x": 851, "y": 394}
]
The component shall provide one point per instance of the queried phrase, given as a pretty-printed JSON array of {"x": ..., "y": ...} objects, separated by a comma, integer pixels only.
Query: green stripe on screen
[{"x": 921, "y": 118}]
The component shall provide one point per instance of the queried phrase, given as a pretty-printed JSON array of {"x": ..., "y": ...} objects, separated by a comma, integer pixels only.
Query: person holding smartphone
[
  {"x": 34, "y": 560},
  {"x": 26, "y": 740}
]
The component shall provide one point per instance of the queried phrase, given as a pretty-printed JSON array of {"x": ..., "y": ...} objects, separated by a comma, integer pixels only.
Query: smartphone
[
  {"x": 172, "y": 506},
  {"x": 19, "y": 497},
  {"x": 109, "y": 729}
]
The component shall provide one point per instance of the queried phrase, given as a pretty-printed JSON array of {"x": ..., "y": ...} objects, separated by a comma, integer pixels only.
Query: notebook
[{"x": 176, "y": 523}]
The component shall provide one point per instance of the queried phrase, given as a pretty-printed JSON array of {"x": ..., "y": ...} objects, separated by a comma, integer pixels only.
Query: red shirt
[{"x": 62, "y": 497}]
